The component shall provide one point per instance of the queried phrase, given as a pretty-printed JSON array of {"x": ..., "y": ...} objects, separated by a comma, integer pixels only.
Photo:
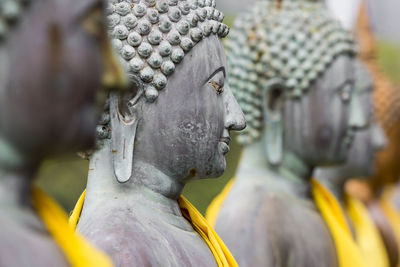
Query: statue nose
[
  {"x": 234, "y": 119},
  {"x": 378, "y": 137}
]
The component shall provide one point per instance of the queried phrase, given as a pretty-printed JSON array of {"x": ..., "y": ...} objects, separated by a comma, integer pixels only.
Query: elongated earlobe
[
  {"x": 123, "y": 134},
  {"x": 272, "y": 113},
  {"x": 122, "y": 142}
]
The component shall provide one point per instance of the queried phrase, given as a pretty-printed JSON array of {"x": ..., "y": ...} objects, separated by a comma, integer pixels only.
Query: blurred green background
[{"x": 65, "y": 178}]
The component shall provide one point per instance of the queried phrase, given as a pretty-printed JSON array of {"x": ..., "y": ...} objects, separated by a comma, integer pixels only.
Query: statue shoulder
[{"x": 37, "y": 249}]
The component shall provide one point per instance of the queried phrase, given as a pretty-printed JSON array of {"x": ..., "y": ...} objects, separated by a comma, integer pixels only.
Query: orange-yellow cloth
[
  {"x": 215, "y": 206},
  {"x": 367, "y": 234},
  {"x": 77, "y": 251},
  {"x": 391, "y": 214},
  {"x": 368, "y": 249},
  {"x": 221, "y": 253}
]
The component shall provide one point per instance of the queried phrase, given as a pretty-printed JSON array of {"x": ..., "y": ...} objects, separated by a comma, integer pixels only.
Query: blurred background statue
[
  {"x": 51, "y": 58},
  {"x": 379, "y": 191},
  {"x": 172, "y": 127},
  {"x": 342, "y": 210},
  {"x": 291, "y": 69}
]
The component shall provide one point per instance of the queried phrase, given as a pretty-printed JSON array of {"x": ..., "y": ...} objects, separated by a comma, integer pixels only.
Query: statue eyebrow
[
  {"x": 347, "y": 81},
  {"x": 215, "y": 72}
]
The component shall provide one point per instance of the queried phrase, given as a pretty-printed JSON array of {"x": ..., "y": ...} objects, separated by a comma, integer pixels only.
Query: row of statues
[{"x": 145, "y": 89}]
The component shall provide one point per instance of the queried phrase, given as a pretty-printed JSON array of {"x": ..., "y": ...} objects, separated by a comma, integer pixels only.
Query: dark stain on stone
[{"x": 192, "y": 172}]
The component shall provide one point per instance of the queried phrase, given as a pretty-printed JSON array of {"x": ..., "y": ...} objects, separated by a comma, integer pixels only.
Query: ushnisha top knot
[
  {"x": 10, "y": 13},
  {"x": 293, "y": 40},
  {"x": 153, "y": 36}
]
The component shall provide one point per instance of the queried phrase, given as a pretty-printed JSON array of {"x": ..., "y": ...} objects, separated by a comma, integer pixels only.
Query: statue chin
[{"x": 220, "y": 166}]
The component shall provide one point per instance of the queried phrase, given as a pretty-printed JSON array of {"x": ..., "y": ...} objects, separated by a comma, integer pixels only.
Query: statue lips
[{"x": 224, "y": 144}]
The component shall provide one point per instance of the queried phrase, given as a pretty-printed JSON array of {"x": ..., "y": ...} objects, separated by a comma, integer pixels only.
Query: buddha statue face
[
  {"x": 319, "y": 120},
  {"x": 369, "y": 137},
  {"x": 367, "y": 142},
  {"x": 386, "y": 101},
  {"x": 291, "y": 69},
  {"x": 52, "y": 63},
  {"x": 185, "y": 133}
]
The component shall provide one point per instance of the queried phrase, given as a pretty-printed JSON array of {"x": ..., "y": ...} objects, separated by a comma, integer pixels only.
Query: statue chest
[
  {"x": 21, "y": 246},
  {"x": 268, "y": 228},
  {"x": 137, "y": 239}
]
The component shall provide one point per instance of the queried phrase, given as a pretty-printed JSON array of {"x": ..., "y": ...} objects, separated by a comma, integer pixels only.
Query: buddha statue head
[
  {"x": 52, "y": 56},
  {"x": 368, "y": 139},
  {"x": 386, "y": 99},
  {"x": 177, "y": 115},
  {"x": 291, "y": 69}
]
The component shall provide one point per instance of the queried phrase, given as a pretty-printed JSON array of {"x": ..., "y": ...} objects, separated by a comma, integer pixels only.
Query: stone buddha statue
[
  {"x": 170, "y": 128},
  {"x": 51, "y": 58},
  {"x": 368, "y": 140},
  {"x": 291, "y": 69},
  {"x": 378, "y": 191},
  {"x": 382, "y": 189}
]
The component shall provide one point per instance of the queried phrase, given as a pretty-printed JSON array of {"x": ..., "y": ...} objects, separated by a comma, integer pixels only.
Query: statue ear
[
  {"x": 124, "y": 121},
  {"x": 273, "y": 96}
]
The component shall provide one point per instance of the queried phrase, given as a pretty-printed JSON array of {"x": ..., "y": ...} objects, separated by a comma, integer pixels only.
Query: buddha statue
[
  {"x": 369, "y": 139},
  {"x": 382, "y": 188},
  {"x": 378, "y": 191},
  {"x": 291, "y": 69},
  {"x": 170, "y": 128},
  {"x": 52, "y": 55}
]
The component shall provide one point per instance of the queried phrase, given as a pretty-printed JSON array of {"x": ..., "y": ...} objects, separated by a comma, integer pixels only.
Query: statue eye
[
  {"x": 345, "y": 93},
  {"x": 93, "y": 23},
  {"x": 217, "y": 87}
]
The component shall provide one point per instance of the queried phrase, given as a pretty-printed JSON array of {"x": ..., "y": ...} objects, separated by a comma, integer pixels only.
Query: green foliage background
[{"x": 65, "y": 178}]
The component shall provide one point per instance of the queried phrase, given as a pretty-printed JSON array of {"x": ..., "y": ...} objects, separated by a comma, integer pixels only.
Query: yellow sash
[
  {"x": 368, "y": 250},
  {"x": 221, "y": 253},
  {"x": 391, "y": 214},
  {"x": 215, "y": 206},
  {"x": 368, "y": 236},
  {"x": 78, "y": 252}
]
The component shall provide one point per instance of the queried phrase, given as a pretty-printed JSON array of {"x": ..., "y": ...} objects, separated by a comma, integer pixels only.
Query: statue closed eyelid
[{"x": 217, "y": 87}]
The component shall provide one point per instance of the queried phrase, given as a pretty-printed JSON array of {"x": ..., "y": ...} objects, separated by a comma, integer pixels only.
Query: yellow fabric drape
[
  {"x": 367, "y": 235},
  {"x": 391, "y": 214},
  {"x": 215, "y": 206},
  {"x": 76, "y": 213},
  {"x": 221, "y": 253},
  {"x": 77, "y": 251},
  {"x": 368, "y": 250}
]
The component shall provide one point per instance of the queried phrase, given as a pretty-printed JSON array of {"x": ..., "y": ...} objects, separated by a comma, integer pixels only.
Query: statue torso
[
  {"x": 139, "y": 235},
  {"x": 264, "y": 222},
  {"x": 27, "y": 246}
]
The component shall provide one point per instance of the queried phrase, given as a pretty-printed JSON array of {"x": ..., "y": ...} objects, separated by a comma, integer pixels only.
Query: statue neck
[
  {"x": 292, "y": 167},
  {"x": 147, "y": 185},
  {"x": 15, "y": 188},
  {"x": 15, "y": 197},
  {"x": 295, "y": 169},
  {"x": 334, "y": 179}
]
